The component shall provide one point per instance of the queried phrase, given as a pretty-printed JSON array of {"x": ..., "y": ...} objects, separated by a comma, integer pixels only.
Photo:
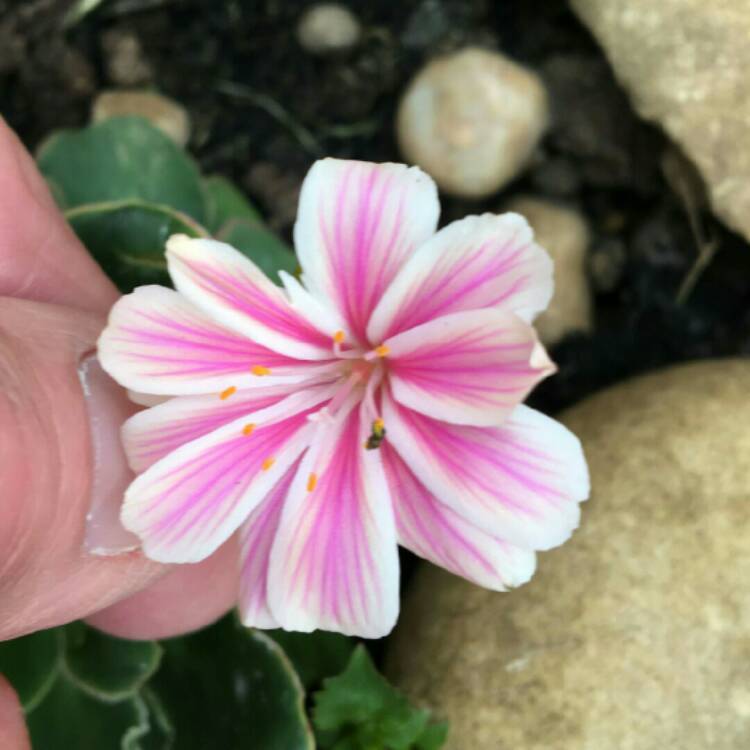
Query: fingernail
[{"x": 108, "y": 407}]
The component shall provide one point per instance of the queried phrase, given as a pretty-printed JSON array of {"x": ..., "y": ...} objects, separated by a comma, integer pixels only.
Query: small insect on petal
[
  {"x": 248, "y": 429},
  {"x": 312, "y": 480},
  {"x": 225, "y": 394},
  {"x": 377, "y": 435},
  {"x": 260, "y": 370}
]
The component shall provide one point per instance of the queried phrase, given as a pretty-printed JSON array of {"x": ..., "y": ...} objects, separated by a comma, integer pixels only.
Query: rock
[
  {"x": 634, "y": 635},
  {"x": 165, "y": 114},
  {"x": 124, "y": 61},
  {"x": 685, "y": 63},
  {"x": 327, "y": 29},
  {"x": 472, "y": 120},
  {"x": 564, "y": 233},
  {"x": 607, "y": 263}
]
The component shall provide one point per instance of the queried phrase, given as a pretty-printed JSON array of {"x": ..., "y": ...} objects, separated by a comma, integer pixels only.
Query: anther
[
  {"x": 248, "y": 429},
  {"x": 312, "y": 480},
  {"x": 382, "y": 350},
  {"x": 338, "y": 337},
  {"x": 260, "y": 370},
  {"x": 227, "y": 393},
  {"x": 267, "y": 463}
]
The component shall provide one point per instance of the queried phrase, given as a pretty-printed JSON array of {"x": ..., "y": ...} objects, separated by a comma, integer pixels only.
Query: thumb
[
  {"x": 13, "y": 734},
  {"x": 60, "y": 462}
]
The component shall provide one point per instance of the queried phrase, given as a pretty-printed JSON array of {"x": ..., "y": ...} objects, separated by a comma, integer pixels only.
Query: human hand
[{"x": 60, "y": 455}]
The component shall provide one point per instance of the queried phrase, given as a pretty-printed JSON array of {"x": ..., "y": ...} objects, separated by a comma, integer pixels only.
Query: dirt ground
[{"x": 263, "y": 109}]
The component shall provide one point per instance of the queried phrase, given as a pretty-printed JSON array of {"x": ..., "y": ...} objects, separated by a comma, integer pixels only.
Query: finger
[
  {"x": 61, "y": 461},
  {"x": 13, "y": 734},
  {"x": 40, "y": 256},
  {"x": 187, "y": 598}
]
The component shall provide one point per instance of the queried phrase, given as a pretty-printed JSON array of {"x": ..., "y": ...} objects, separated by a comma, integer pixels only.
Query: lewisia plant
[{"x": 377, "y": 402}]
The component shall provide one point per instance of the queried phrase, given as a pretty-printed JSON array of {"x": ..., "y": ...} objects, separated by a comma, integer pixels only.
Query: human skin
[{"x": 53, "y": 303}]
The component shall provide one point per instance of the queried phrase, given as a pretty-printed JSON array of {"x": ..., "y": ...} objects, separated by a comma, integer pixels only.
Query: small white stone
[
  {"x": 472, "y": 120},
  {"x": 328, "y": 28},
  {"x": 163, "y": 113},
  {"x": 564, "y": 234}
]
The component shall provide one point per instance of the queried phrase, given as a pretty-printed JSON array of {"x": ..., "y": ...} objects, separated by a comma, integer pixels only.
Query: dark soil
[{"x": 263, "y": 110}]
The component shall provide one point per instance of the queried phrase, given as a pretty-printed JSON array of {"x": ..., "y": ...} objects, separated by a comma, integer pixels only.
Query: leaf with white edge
[
  {"x": 315, "y": 655},
  {"x": 261, "y": 245},
  {"x": 69, "y": 718},
  {"x": 224, "y": 201},
  {"x": 231, "y": 687},
  {"x": 123, "y": 158},
  {"x": 30, "y": 664},
  {"x": 359, "y": 709},
  {"x": 108, "y": 668},
  {"x": 127, "y": 238}
]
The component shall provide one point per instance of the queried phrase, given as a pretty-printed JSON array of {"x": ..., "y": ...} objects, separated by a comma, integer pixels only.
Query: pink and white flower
[{"x": 378, "y": 402}]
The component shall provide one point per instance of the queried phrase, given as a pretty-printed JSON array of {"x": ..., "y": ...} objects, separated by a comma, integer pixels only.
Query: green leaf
[
  {"x": 261, "y": 245},
  {"x": 30, "y": 664},
  {"x": 121, "y": 159},
  {"x": 360, "y": 710},
  {"x": 161, "y": 736},
  {"x": 127, "y": 238},
  {"x": 314, "y": 655},
  {"x": 70, "y": 718},
  {"x": 433, "y": 737},
  {"x": 230, "y": 687},
  {"x": 224, "y": 201},
  {"x": 107, "y": 668}
]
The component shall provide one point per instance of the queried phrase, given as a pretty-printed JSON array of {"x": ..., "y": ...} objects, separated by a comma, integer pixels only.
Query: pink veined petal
[
  {"x": 256, "y": 539},
  {"x": 357, "y": 224},
  {"x": 432, "y": 530},
  {"x": 150, "y": 435},
  {"x": 334, "y": 562},
  {"x": 156, "y": 342},
  {"x": 185, "y": 505},
  {"x": 479, "y": 261},
  {"x": 521, "y": 482},
  {"x": 471, "y": 367},
  {"x": 232, "y": 290}
]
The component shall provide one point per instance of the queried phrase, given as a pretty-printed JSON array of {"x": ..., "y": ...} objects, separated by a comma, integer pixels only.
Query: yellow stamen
[
  {"x": 259, "y": 370},
  {"x": 382, "y": 350},
  {"x": 248, "y": 429},
  {"x": 338, "y": 337},
  {"x": 378, "y": 427},
  {"x": 312, "y": 480},
  {"x": 227, "y": 393},
  {"x": 267, "y": 463}
]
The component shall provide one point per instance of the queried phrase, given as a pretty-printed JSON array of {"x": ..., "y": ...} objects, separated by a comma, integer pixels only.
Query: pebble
[
  {"x": 472, "y": 120},
  {"x": 633, "y": 635},
  {"x": 167, "y": 115},
  {"x": 328, "y": 29},
  {"x": 124, "y": 60},
  {"x": 564, "y": 234},
  {"x": 684, "y": 64}
]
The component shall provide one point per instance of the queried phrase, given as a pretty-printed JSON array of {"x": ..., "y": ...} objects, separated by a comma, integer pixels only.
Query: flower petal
[
  {"x": 191, "y": 501},
  {"x": 480, "y": 261},
  {"x": 232, "y": 290},
  {"x": 432, "y": 530},
  {"x": 150, "y": 435},
  {"x": 521, "y": 482},
  {"x": 357, "y": 224},
  {"x": 156, "y": 342},
  {"x": 471, "y": 367},
  {"x": 334, "y": 563},
  {"x": 256, "y": 540}
]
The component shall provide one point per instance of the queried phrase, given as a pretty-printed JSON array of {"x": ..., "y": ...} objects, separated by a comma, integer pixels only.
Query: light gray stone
[
  {"x": 328, "y": 28},
  {"x": 685, "y": 64},
  {"x": 564, "y": 234},
  {"x": 472, "y": 120},
  {"x": 635, "y": 634}
]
